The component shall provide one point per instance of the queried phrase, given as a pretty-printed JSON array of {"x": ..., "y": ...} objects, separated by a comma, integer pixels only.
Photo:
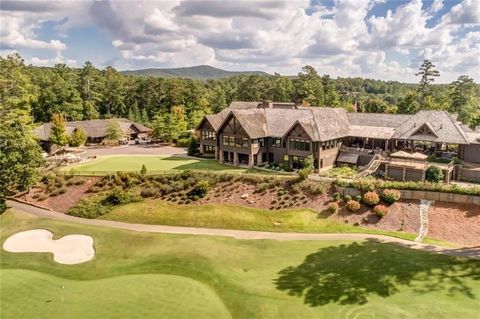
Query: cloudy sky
[{"x": 384, "y": 39}]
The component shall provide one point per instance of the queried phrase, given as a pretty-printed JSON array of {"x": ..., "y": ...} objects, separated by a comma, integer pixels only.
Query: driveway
[
  {"x": 472, "y": 252},
  {"x": 137, "y": 149}
]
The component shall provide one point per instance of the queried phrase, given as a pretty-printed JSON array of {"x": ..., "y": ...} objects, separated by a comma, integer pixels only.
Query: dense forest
[{"x": 89, "y": 93}]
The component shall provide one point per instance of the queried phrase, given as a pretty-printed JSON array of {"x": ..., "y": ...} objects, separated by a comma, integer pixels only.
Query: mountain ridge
[{"x": 199, "y": 72}]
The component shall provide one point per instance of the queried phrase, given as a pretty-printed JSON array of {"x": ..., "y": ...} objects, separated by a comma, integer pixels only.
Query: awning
[{"x": 350, "y": 158}]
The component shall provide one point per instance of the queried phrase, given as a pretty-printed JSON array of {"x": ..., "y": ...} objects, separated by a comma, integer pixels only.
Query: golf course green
[
  {"x": 141, "y": 275},
  {"x": 133, "y": 163}
]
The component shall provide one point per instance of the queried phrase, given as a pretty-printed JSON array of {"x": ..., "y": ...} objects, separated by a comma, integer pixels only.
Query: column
[
  {"x": 250, "y": 160},
  {"x": 202, "y": 148},
  {"x": 259, "y": 159},
  {"x": 386, "y": 145},
  {"x": 216, "y": 152},
  {"x": 220, "y": 157},
  {"x": 235, "y": 159}
]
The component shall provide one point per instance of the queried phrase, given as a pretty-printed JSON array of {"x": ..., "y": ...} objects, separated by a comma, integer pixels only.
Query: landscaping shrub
[
  {"x": 390, "y": 196},
  {"x": 75, "y": 181},
  {"x": 307, "y": 169},
  {"x": 314, "y": 187},
  {"x": 192, "y": 149},
  {"x": 58, "y": 191},
  {"x": 183, "y": 142},
  {"x": 343, "y": 171},
  {"x": 358, "y": 198},
  {"x": 380, "y": 210},
  {"x": 143, "y": 170},
  {"x": 434, "y": 174},
  {"x": 347, "y": 198},
  {"x": 118, "y": 196},
  {"x": 336, "y": 196},
  {"x": 149, "y": 192},
  {"x": 353, "y": 206},
  {"x": 88, "y": 208},
  {"x": 371, "y": 198},
  {"x": 262, "y": 187},
  {"x": 200, "y": 190},
  {"x": 333, "y": 207}
]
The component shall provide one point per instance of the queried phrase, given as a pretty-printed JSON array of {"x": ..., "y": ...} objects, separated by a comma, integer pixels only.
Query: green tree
[
  {"x": 427, "y": 73},
  {"x": 20, "y": 155},
  {"x": 143, "y": 170},
  {"x": 192, "y": 149},
  {"x": 464, "y": 100},
  {"x": 308, "y": 87},
  {"x": 114, "y": 131},
  {"x": 374, "y": 105},
  {"x": 282, "y": 88},
  {"x": 177, "y": 123},
  {"x": 58, "y": 130},
  {"x": 113, "y": 95},
  {"x": 160, "y": 127},
  {"x": 331, "y": 97},
  {"x": 409, "y": 104},
  {"x": 434, "y": 174},
  {"x": 90, "y": 88},
  {"x": 308, "y": 168},
  {"x": 78, "y": 137}
]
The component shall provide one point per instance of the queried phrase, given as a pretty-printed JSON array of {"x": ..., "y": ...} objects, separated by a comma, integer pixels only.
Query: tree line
[{"x": 89, "y": 93}]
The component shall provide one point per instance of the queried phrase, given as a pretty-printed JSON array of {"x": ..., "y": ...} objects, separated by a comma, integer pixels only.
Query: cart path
[{"x": 473, "y": 252}]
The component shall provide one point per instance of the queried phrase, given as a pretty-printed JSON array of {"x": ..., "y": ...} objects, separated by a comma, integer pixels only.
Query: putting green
[
  {"x": 115, "y": 163},
  {"x": 132, "y": 296}
]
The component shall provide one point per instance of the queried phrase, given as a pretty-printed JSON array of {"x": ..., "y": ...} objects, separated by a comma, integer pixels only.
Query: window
[
  {"x": 285, "y": 158},
  {"x": 261, "y": 141},
  {"x": 233, "y": 141},
  {"x": 277, "y": 142},
  {"x": 299, "y": 144},
  {"x": 245, "y": 142},
  {"x": 207, "y": 135}
]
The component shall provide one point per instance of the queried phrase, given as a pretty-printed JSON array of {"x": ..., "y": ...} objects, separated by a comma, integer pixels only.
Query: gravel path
[{"x": 473, "y": 252}]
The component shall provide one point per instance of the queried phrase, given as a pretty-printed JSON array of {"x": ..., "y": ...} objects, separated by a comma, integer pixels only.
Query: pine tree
[
  {"x": 427, "y": 73},
  {"x": 464, "y": 102},
  {"x": 114, "y": 132},
  {"x": 58, "y": 130}
]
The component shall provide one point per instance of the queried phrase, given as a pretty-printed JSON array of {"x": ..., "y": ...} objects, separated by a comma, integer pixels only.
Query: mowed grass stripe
[
  {"x": 131, "y": 296},
  {"x": 134, "y": 163}
]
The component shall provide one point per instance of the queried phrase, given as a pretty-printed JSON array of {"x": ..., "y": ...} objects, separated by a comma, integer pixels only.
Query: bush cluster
[
  {"x": 353, "y": 206},
  {"x": 371, "y": 184},
  {"x": 371, "y": 198},
  {"x": 380, "y": 210},
  {"x": 390, "y": 196},
  {"x": 333, "y": 207}
]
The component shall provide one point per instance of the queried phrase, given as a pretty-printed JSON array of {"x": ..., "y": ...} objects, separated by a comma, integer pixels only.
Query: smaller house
[{"x": 96, "y": 130}]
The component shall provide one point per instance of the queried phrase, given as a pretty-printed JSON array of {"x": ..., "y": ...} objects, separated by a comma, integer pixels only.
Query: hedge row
[{"x": 371, "y": 184}]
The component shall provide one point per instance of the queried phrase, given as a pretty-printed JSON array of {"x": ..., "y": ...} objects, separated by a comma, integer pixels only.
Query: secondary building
[
  {"x": 96, "y": 130},
  {"x": 257, "y": 133}
]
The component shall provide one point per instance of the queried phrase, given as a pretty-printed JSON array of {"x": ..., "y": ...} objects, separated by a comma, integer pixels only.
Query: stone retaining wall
[{"x": 411, "y": 194}]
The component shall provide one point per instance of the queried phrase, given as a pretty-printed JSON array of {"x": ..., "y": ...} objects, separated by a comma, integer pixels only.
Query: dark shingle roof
[
  {"x": 325, "y": 123},
  {"x": 446, "y": 129},
  {"x": 93, "y": 128}
]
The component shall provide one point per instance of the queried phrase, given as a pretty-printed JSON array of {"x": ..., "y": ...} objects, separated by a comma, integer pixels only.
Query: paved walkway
[{"x": 473, "y": 252}]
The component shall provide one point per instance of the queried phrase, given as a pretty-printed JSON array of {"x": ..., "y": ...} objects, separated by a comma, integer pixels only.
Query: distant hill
[{"x": 200, "y": 72}]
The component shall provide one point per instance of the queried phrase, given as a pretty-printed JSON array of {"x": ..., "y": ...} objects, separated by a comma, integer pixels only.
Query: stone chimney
[{"x": 267, "y": 104}]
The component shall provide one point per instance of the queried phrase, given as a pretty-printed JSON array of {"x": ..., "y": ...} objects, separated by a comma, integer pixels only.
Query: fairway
[
  {"x": 115, "y": 163},
  {"x": 136, "y": 274}
]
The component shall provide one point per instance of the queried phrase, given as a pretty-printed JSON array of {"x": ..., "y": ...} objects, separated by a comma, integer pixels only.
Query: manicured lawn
[
  {"x": 141, "y": 275},
  {"x": 161, "y": 212},
  {"x": 115, "y": 163},
  {"x": 138, "y": 275}
]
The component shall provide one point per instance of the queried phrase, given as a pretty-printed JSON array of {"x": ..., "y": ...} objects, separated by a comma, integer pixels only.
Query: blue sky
[{"x": 369, "y": 38}]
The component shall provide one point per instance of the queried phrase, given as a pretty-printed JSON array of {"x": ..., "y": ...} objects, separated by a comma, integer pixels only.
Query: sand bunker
[{"x": 69, "y": 250}]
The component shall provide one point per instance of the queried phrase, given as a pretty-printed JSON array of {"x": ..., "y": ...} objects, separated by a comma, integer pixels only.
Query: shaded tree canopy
[{"x": 350, "y": 274}]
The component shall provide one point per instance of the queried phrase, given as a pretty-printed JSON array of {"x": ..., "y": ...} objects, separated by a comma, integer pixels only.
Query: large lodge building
[{"x": 258, "y": 133}]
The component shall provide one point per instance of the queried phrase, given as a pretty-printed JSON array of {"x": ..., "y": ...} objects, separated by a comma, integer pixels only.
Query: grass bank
[
  {"x": 161, "y": 212},
  {"x": 184, "y": 276}
]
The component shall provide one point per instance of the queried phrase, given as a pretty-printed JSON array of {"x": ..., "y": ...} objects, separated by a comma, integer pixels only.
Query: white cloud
[{"x": 275, "y": 36}]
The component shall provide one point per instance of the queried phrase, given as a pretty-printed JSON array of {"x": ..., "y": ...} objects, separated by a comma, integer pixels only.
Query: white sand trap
[{"x": 69, "y": 250}]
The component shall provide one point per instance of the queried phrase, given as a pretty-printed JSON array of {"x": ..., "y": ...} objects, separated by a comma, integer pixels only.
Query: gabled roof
[
  {"x": 378, "y": 119},
  {"x": 447, "y": 130},
  {"x": 425, "y": 129},
  {"x": 93, "y": 128},
  {"x": 243, "y": 105}
]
